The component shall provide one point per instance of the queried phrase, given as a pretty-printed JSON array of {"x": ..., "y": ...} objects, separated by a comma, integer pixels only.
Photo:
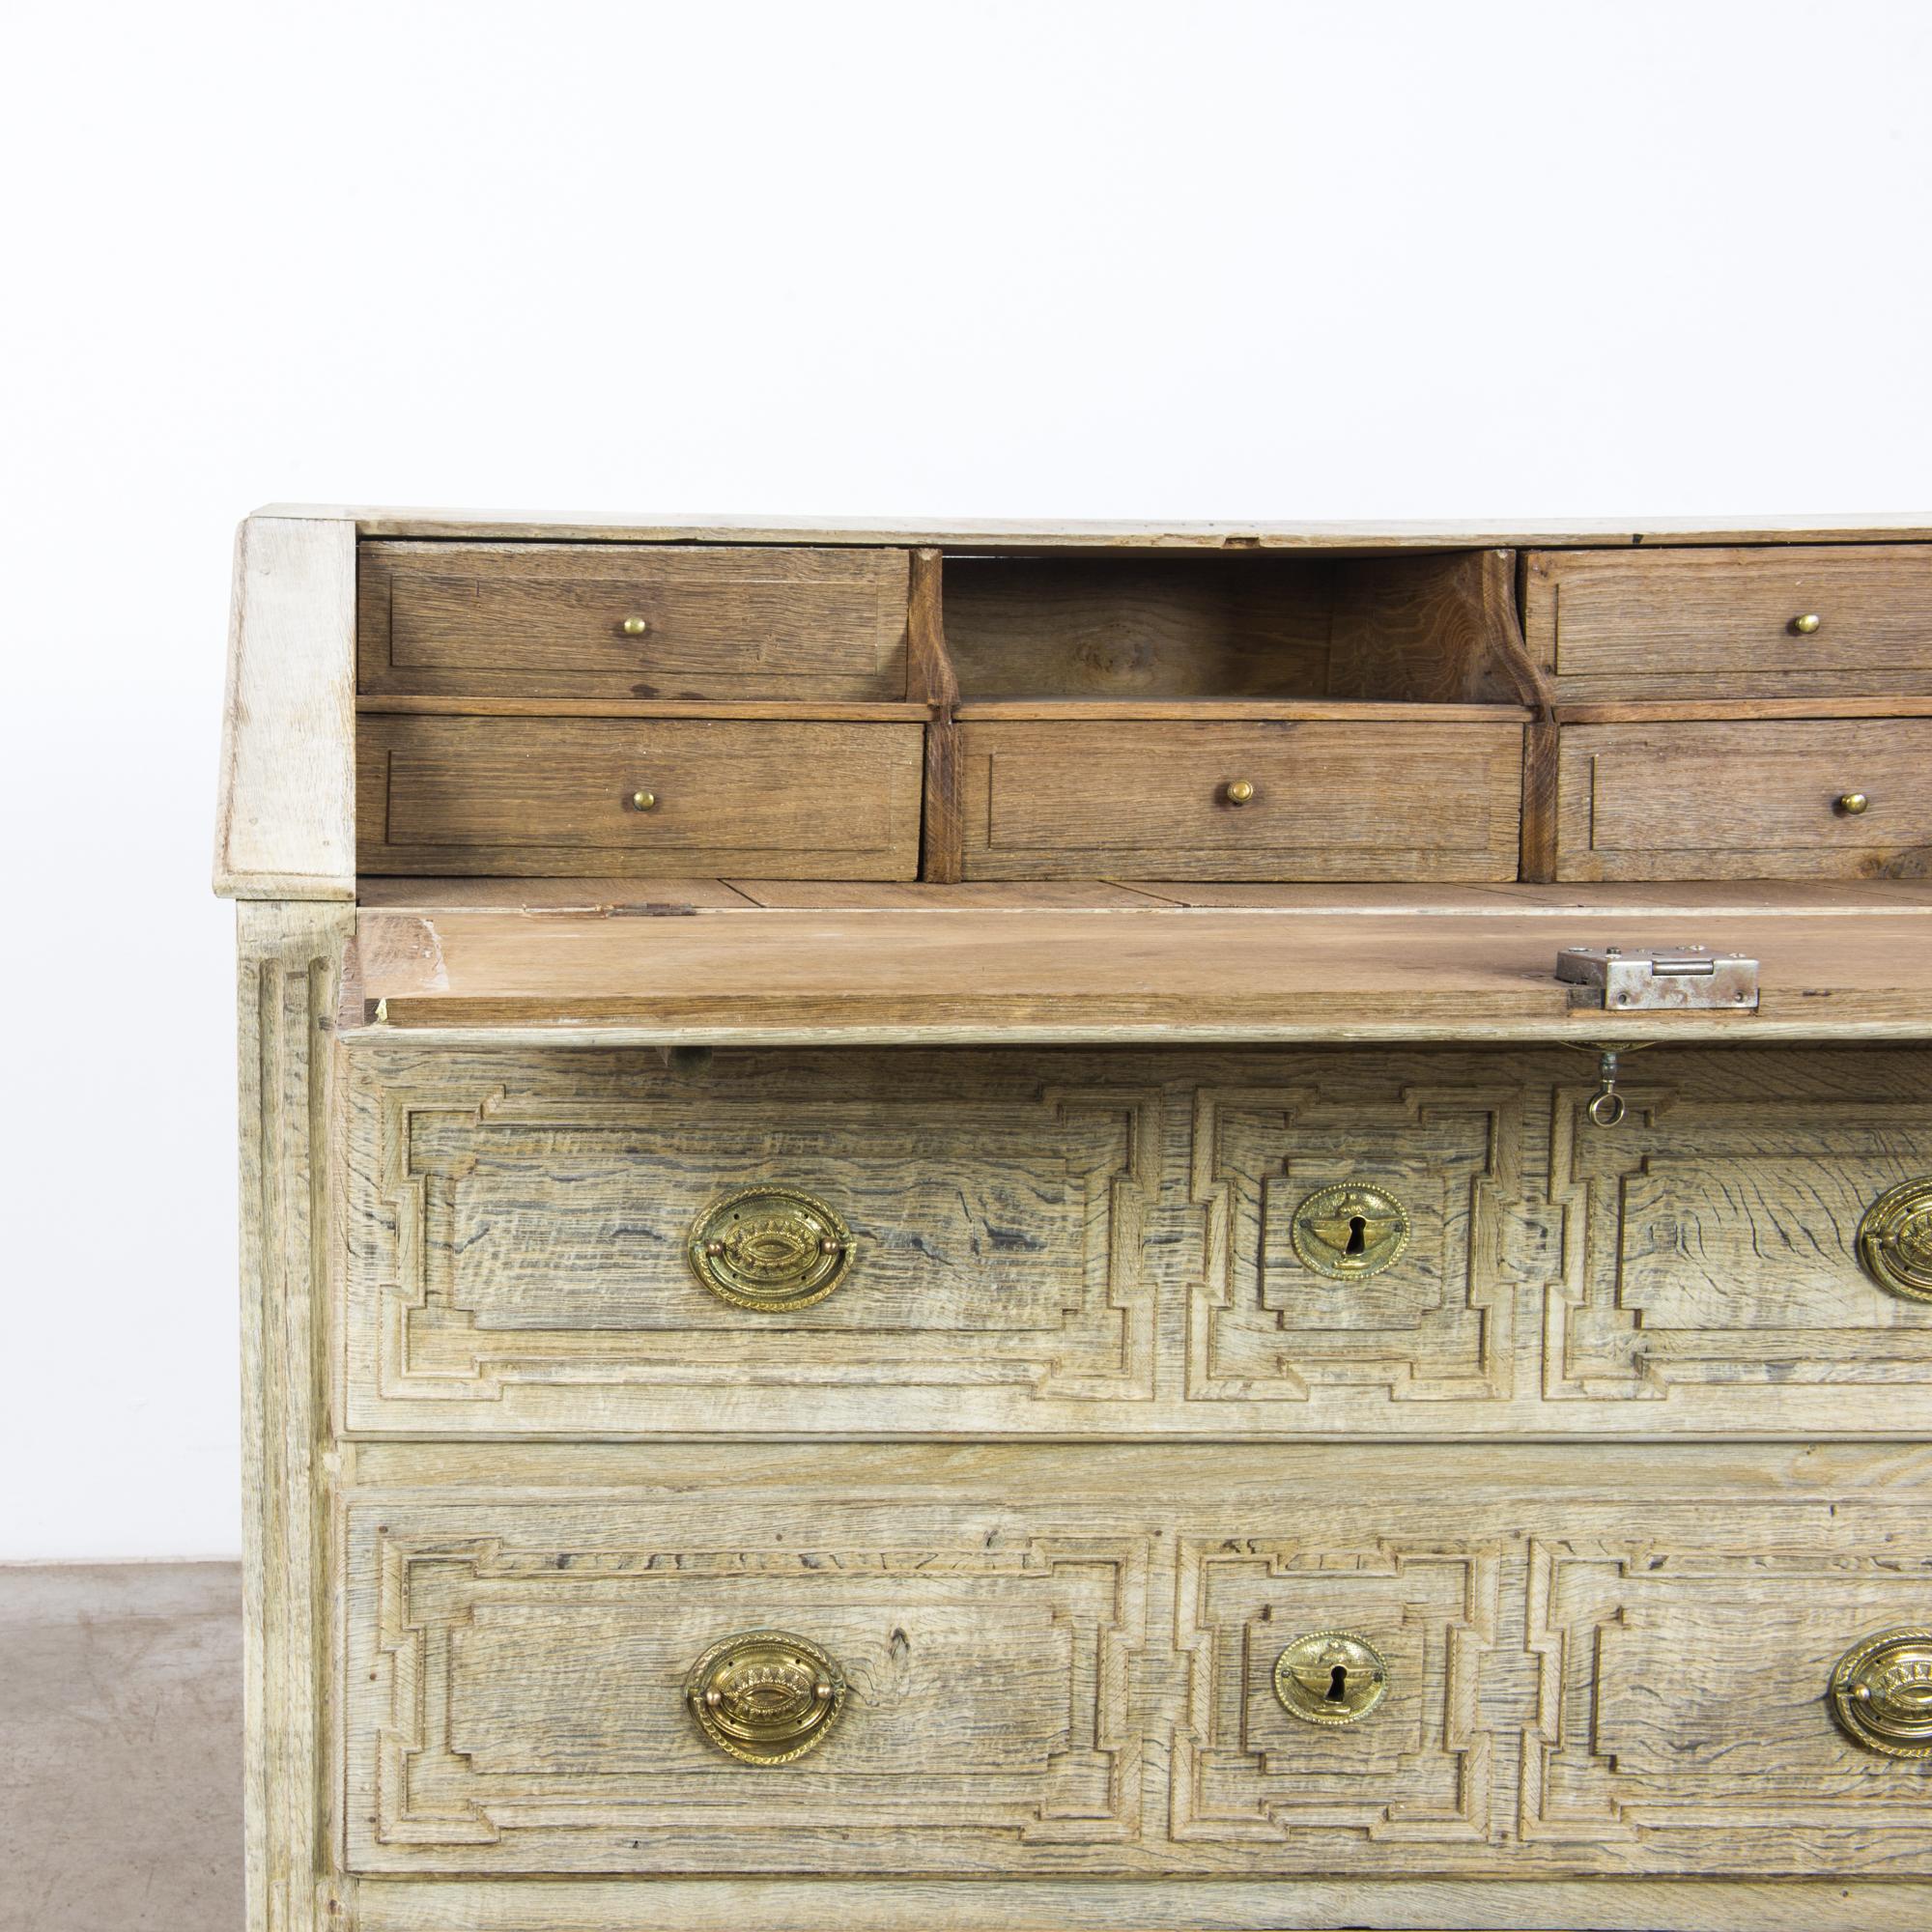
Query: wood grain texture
[
  {"x": 1140, "y": 626},
  {"x": 1153, "y": 976},
  {"x": 930, "y": 676},
  {"x": 530, "y": 620},
  {"x": 1387, "y": 801},
  {"x": 1720, "y": 623},
  {"x": 499, "y": 795},
  {"x": 1149, "y": 1905},
  {"x": 1081, "y": 1244},
  {"x": 527, "y": 526},
  {"x": 1059, "y": 1665},
  {"x": 776, "y": 710},
  {"x": 1436, "y": 629},
  {"x": 289, "y": 960},
  {"x": 1745, "y": 800},
  {"x": 285, "y": 820}
]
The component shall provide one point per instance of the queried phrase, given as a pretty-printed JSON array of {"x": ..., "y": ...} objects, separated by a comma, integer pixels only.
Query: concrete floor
[{"x": 120, "y": 1747}]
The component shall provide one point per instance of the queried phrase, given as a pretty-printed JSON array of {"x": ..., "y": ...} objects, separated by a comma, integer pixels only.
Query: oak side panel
[
  {"x": 285, "y": 819},
  {"x": 290, "y": 960}
]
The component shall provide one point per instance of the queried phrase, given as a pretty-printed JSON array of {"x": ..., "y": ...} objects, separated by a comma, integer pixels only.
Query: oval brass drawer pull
[
  {"x": 1894, "y": 1241},
  {"x": 643, "y": 801},
  {"x": 1854, "y": 802},
  {"x": 1805, "y": 625},
  {"x": 1882, "y": 1692},
  {"x": 765, "y": 1695},
  {"x": 1330, "y": 1677},
  {"x": 634, "y": 627},
  {"x": 770, "y": 1248},
  {"x": 1241, "y": 792}
]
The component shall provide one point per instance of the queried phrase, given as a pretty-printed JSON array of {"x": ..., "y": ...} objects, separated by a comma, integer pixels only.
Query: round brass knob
[
  {"x": 1330, "y": 1677},
  {"x": 634, "y": 627},
  {"x": 1806, "y": 624},
  {"x": 643, "y": 801},
  {"x": 1882, "y": 1692},
  {"x": 1894, "y": 1241},
  {"x": 765, "y": 1695},
  {"x": 1854, "y": 802},
  {"x": 1239, "y": 792},
  {"x": 770, "y": 1248}
]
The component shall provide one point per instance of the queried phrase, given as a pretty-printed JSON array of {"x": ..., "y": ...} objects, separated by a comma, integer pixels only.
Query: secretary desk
[{"x": 1087, "y": 1226}]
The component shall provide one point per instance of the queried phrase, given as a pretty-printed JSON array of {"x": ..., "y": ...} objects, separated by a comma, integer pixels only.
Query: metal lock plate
[
  {"x": 1658, "y": 978},
  {"x": 1330, "y": 1677}
]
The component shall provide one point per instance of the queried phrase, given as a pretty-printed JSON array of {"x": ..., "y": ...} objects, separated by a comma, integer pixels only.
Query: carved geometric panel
[
  {"x": 1683, "y": 1657},
  {"x": 1436, "y": 1325},
  {"x": 515, "y": 1680},
  {"x": 1417, "y": 1769},
  {"x": 1713, "y": 1250},
  {"x": 517, "y": 1255}
]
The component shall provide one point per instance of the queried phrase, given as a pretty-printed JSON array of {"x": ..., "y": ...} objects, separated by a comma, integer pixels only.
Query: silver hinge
[{"x": 1658, "y": 978}]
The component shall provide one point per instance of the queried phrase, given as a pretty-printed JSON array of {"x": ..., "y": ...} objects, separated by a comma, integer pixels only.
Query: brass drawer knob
[
  {"x": 643, "y": 801},
  {"x": 1807, "y": 624},
  {"x": 770, "y": 1248},
  {"x": 1854, "y": 802},
  {"x": 1241, "y": 792},
  {"x": 1330, "y": 1677},
  {"x": 1882, "y": 1692},
  {"x": 1894, "y": 1241},
  {"x": 1350, "y": 1229},
  {"x": 765, "y": 1695},
  {"x": 634, "y": 627}
]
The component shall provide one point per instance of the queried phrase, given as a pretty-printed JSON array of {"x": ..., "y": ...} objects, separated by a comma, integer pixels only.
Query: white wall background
[{"x": 1105, "y": 258}]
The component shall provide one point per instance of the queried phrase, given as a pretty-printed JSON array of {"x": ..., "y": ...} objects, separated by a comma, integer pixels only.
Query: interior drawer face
[
  {"x": 1745, "y": 800},
  {"x": 521, "y": 1226},
  {"x": 563, "y": 620},
  {"x": 1725, "y": 623},
  {"x": 1329, "y": 801},
  {"x": 1056, "y": 1666},
  {"x": 519, "y": 795}
]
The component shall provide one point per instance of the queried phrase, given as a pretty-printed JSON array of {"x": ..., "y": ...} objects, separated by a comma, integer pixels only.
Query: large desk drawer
[
  {"x": 1083, "y": 1243},
  {"x": 670, "y": 797},
  {"x": 631, "y": 620},
  {"x": 1132, "y": 1660}
]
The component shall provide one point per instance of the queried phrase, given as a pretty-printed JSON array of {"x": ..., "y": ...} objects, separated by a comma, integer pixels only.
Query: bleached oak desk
[{"x": 927, "y": 1239}]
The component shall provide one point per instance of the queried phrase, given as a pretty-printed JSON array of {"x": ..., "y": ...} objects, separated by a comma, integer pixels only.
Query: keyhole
[
  {"x": 1338, "y": 1678},
  {"x": 1357, "y": 1227}
]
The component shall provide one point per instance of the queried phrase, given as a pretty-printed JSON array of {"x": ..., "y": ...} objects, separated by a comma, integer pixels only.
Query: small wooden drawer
[
  {"x": 665, "y": 796},
  {"x": 1158, "y": 799},
  {"x": 1845, "y": 799},
  {"x": 1109, "y": 1661},
  {"x": 1786, "y": 622},
  {"x": 629, "y": 620}
]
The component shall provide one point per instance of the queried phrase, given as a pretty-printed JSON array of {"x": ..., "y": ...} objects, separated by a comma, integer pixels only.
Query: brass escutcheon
[
  {"x": 1894, "y": 1241},
  {"x": 1350, "y": 1229},
  {"x": 1330, "y": 1677},
  {"x": 1882, "y": 1692},
  {"x": 765, "y": 1695},
  {"x": 771, "y": 1248}
]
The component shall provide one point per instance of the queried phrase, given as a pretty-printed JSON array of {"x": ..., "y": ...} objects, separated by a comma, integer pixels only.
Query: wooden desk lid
[{"x": 1294, "y": 964}]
